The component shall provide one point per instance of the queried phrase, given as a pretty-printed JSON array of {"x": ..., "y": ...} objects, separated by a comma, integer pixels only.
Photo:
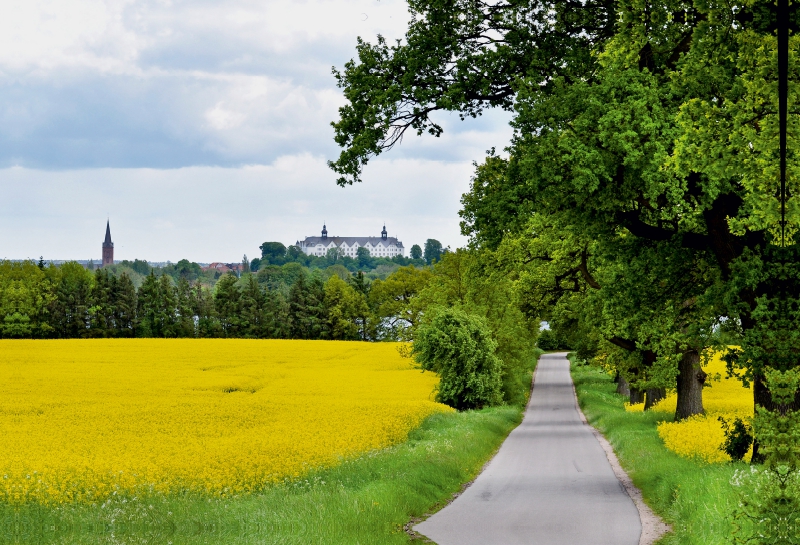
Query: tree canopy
[{"x": 645, "y": 197}]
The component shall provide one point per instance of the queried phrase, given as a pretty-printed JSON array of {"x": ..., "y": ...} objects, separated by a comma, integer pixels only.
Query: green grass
[
  {"x": 363, "y": 501},
  {"x": 695, "y": 499}
]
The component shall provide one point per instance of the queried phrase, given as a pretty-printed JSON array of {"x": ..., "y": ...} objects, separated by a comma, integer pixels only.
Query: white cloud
[
  {"x": 151, "y": 111},
  {"x": 215, "y": 214}
]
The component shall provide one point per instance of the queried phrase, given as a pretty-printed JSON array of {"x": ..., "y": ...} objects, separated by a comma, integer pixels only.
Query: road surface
[{"x": 549, "y": 484}]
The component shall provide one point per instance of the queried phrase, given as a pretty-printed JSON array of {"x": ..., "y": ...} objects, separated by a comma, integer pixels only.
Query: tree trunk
[
  {"x": 691, "y": 378},
  {"x": 654, "y": 395},
  {"x": 637, "y": 396},
  {"x": 623, "y": 388}
]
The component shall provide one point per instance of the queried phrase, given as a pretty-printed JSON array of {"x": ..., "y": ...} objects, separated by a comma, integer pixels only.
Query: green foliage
[
  {"x": 396, "y": 302},
  {"x": 738, "y": 438},
  {"x": 347, "y": 310},
  {"x": 459, "y": 347},
  {"x": 137, "y": 265},
  {"x": 468, "y": 280},
  {"x": 306, "y": 301},
  {"x": 694, "y": 499},
  {"x": 549, "y": 340},
  {"x": 416, "y": 252},
  {"x": 433, "y": 251},
  {"x": 769, "y": 507},
  {"x": 445, "y": 63},
  {"x": 26, "y": 298},
  {"x": 273, "y": 253}
]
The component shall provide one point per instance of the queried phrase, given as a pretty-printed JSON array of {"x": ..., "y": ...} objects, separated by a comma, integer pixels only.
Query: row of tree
[
  {"x": 291, "y": 302},
  {"x": 647, "y": 208},
  {"x": 276, "y": 253}
]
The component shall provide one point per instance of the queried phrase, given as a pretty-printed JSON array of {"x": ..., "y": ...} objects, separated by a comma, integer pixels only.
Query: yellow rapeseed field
[
  {"x": 700, "y": 437},
  {"x": 84, "y": 419}
]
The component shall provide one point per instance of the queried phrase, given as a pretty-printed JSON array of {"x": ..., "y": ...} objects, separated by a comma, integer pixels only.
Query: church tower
[{"x": 108, "y": 247}]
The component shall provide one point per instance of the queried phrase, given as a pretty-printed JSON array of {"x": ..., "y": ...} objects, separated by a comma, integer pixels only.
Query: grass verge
[
  {"x": 363, "y": 501},
  {"x": 694, "y": 498}
]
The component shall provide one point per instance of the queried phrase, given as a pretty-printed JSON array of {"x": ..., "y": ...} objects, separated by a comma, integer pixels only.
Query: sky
[{"x": 201, "y": 129}]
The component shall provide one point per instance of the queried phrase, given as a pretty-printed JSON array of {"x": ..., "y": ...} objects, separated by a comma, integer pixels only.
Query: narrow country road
[{"x": 549, "y": 484}]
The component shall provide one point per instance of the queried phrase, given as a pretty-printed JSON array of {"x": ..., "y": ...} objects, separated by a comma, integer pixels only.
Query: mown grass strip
[
  {"x": 694, "y": 498},
  {"x": 363, "y": 501}
]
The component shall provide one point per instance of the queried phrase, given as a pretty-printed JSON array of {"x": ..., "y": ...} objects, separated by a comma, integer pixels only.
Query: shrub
[
  {"x": 549, "y": 340},
  {"x": 459, "y": 347},
  {"x": 737, "y": 440}
]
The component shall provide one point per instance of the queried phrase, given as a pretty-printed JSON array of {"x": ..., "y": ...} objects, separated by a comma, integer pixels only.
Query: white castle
[{"x": 384, "y": 246}]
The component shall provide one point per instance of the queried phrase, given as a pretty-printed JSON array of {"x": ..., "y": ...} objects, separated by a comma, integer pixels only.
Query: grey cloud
[{"x": 170, "y": 85}]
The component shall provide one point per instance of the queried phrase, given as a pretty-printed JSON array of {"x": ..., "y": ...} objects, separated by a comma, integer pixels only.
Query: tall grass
[
  {"x": 695, "y": 499},
  {"x": 363, "y": 501}
]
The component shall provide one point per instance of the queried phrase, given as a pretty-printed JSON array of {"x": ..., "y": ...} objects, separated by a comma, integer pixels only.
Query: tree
[
  {"x": 207, "y": 322},
  {"x": 125, "y": 319},
  {"x": 463, "y": 57},
  {"x": 334, "y": 254},
  {"x": 307, "y": 318},
  {"x": 139, "y": 266},
  {"x": 254, "y": 311},
  {"x": 416, "y": 252},
  {"x": 469, "y": 280},
  {"x": 656, "y": 141},
  {"x": 26, "y": 296},
  {"x": 396, "y": 301},
  {"x": 185, "y": 325},
  {"x": 157, "y": 307},
  {"x": 433, "y": 251},
  {"x": 459, "y": 347},
  {"x": 273, "y": 252},
  {"x": 346, "y": 310},
  {"x": 295, "y": 254},
  {"x": 103, "y": 304},
  {"x": 183, "y": 269},
  {"x": 69, "y": 309},
  {"x": 363, "y": 258},
  {"x": 227, "y": 303}
]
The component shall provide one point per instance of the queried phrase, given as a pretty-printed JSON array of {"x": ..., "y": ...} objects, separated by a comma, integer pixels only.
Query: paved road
[{"x": 550, "y": 483}]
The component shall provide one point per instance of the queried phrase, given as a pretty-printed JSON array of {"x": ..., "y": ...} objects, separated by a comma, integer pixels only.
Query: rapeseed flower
[
  {"x": 700, "y": 436},
  {"x": 82, "y": 420}
]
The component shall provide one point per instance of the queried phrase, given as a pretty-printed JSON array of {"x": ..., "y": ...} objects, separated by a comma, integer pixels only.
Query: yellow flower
[
  {"x": 83, "y": 420},
  {"x": 700, "y": 436}
]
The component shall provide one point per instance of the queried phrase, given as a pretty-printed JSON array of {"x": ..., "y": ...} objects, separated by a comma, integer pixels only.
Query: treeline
[
  {"x": 276, "y": 253},
  {"x": 286, "y": 302}
]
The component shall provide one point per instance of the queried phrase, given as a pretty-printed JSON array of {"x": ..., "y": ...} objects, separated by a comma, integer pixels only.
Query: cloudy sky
[{"x": 201, "y": 129}]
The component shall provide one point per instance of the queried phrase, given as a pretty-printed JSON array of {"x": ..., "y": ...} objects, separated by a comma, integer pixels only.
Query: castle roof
[
  {"x": 107, "y": 242},
  {"x": 350, "y": 241}
]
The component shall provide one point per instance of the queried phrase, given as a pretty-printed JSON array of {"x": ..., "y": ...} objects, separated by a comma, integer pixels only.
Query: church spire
[
  {"x": 107, "y": 241},
  {"x": 108, "y": 247}
]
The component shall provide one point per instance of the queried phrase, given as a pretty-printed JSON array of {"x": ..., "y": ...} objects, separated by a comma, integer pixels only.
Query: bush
[
  {"x": 459, "y": 347},
  {"x": 737, "y": 440},
  {"x": 548, "y": 340}
]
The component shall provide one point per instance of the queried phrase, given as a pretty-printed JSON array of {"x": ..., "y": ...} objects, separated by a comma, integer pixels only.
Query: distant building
[
  {"x": 224, "y": 267},
  {"x": 108, "y": 248},
  {"x": 383, "y": 246}
]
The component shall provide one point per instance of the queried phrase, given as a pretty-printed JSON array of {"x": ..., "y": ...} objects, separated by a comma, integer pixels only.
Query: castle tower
[
  {"x": 324, "y": 231},
  {"x": 384, "y": 234},
  {"x": 108, "y": 248}
]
